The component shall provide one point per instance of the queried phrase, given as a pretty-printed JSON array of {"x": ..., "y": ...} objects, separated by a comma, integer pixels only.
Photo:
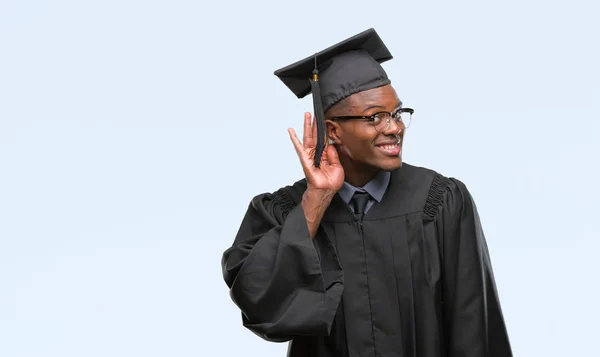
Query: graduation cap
[{"x": 346, "y": 68}]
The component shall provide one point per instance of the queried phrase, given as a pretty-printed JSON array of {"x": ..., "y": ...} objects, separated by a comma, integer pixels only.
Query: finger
[
  {"x": 308, "y": 138},
  {"x": 332, "y": 155},
  {"x": 297, "y": 144},
  {"x": 300, "y": 151}
]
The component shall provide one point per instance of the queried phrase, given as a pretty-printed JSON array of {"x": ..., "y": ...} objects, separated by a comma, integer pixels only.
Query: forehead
[{"x": 383, "y": 97}]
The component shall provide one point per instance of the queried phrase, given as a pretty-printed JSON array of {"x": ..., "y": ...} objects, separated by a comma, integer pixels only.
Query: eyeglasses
[{"x": 382, "y": 120}]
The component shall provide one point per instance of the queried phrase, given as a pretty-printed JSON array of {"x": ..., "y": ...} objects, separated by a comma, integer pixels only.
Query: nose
[{"x": 394, "y": 127}]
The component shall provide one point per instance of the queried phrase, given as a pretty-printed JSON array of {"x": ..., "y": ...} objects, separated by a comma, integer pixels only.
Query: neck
[{"x": 358, "y": 175}]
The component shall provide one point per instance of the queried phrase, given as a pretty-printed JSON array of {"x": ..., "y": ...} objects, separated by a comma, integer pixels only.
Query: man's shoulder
[
  {"x": 422, "y": 187},
  {"x": 417, "y": 171},
  {"x": 422, "y": 175},
  {"x": 286, "y": 196},
  {"x": 419, "y": 178},
  {"x": 291, "y": 192},
  {"x": 434, "y": 187}
]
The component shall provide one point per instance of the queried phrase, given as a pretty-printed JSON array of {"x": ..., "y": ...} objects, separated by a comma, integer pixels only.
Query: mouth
[{"x": 390, "y": 149}]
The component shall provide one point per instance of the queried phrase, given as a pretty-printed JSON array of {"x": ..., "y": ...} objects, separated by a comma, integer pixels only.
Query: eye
[{"x": 377, "y": 118}]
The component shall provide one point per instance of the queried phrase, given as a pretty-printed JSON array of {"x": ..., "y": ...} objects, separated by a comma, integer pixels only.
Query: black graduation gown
[{"x": 413, "y": 279}]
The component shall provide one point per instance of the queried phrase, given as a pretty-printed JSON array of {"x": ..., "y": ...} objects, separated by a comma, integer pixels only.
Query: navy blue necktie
[{"x": 359, "y": 202}]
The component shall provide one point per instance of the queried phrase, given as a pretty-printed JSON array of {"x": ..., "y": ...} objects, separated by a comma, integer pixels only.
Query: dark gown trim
[
  {"x": 435, "y": 197},
  {"x": 283, "y": 198}
]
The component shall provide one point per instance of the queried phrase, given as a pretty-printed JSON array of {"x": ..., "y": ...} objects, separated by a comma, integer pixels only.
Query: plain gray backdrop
[{"x": 133, "y": 135}]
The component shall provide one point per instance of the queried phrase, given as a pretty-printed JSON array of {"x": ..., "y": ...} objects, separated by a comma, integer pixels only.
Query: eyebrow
[{"x": 376, "y": 106}]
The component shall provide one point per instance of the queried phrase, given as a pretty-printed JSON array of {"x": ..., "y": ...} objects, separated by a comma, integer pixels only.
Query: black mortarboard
[{"x": 346, "y": 68}]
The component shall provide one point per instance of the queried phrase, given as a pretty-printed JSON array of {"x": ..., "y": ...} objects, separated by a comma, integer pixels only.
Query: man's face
[{"x": 360, "y": 145}]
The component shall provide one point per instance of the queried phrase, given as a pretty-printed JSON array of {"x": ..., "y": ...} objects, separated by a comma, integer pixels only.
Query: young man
[{"x": 366, "y": 256}]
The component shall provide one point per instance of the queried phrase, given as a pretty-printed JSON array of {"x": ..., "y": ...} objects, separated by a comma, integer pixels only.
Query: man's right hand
[
  {"x": 322, "y": 182},
  {"x": 330, "y": 175}
]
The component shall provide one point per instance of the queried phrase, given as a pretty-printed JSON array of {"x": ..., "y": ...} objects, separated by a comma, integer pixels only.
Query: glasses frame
[{"x": 372, "y": 117}]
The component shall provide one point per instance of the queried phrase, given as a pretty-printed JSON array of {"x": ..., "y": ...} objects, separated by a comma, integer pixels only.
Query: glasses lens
[
  {"x": 382, "y": 122},
  {"x": 406, "y": 118}
]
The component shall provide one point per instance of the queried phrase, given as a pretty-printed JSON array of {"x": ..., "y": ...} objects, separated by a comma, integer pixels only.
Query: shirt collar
[{"x": 376, "y": 187}]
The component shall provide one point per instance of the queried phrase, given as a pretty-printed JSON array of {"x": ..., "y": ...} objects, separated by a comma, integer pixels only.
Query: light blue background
[{"x": 134, "y": 133}]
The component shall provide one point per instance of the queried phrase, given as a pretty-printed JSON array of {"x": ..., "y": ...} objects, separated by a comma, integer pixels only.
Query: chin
[{"x": 391, "y": 165}]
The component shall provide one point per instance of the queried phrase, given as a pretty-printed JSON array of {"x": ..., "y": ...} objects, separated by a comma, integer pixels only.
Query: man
[{"x": 366, "y": 256}]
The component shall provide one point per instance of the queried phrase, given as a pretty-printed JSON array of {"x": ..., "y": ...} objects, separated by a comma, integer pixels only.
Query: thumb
[{"x": 332, "y": 155}]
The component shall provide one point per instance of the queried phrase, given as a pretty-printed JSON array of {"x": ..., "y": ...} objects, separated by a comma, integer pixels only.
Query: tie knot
[{"x": 359, "y": 201}]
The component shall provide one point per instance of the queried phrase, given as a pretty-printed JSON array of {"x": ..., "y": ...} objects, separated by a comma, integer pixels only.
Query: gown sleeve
[
  {"x": 473, "y": 319},
  {"x": 275, "y": 276}
]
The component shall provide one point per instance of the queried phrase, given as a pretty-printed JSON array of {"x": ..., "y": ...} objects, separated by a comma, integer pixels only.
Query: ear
[{"x": 333, "y": 132}]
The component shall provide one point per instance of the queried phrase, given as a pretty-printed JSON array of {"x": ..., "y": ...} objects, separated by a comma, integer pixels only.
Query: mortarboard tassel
[{"x": 319, "y": 115}]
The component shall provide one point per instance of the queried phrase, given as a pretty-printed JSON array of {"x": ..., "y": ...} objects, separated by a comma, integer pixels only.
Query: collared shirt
[{"x": 375, "y": 188}]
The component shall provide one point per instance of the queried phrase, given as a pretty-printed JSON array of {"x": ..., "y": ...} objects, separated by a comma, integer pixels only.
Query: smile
[{"x": 390, "y": 149}]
